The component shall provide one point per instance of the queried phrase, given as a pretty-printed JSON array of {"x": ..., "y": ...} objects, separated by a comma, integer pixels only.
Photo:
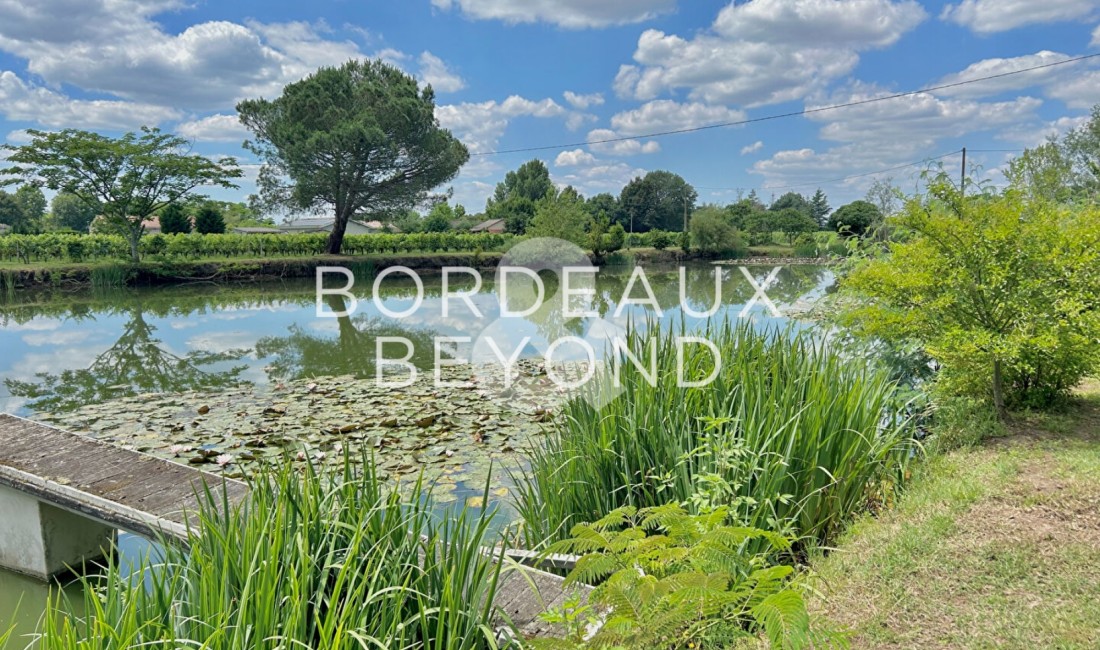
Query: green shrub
[
  {"x": 668, "y": 579},
  {"x": 713, "y": 234},
  {"x": 962, "y": 422},
  {"x": 659, "y": 239},
  {"x": 790, "y": 436},
  {"x": 209, "y": 221},
  {"x": 805, "y": 246}
]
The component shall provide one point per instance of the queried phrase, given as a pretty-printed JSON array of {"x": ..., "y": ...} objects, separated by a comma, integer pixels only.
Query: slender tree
[
  {"x": 209, "y": 221},
  {"x": 174, "y": 219},
  {"x": 362, "y": 137},
  {"x": 128, "y": 179},
  {"x": 819, "y": 208}
]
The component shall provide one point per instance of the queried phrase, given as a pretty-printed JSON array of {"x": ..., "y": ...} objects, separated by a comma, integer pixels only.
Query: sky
[{"x": 511, "y": 74}]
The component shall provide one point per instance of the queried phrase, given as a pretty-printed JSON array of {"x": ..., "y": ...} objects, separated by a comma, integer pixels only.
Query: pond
[{"x": 230, "y": 377}]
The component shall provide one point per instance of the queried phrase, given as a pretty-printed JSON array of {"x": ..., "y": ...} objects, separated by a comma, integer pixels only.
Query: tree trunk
[
  {"x": 336, "y": 237},
  {"x": 135, "y": 239},
  {"x": 998, "y": 391}
]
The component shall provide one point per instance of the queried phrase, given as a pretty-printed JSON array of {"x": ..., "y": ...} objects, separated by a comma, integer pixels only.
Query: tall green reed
[
  {"x": 313, "y": 561},
  {"x": 789, "y": 435}
]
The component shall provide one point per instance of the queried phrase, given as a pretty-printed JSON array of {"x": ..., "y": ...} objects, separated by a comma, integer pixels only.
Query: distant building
[
  {"x": 324, "y": 224},
  {"x": 152, "y": 226},
  {"x": 495, "y": 226},
  {"x": 249, "y": 230}
]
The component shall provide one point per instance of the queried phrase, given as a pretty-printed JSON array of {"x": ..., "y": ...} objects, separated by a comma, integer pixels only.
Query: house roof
[
  {"x": 151, "y": 224},
  {"x": 256, "y": 230},
  {"x": 311, "y": 223},
  {"x": 487, "y": 225}
]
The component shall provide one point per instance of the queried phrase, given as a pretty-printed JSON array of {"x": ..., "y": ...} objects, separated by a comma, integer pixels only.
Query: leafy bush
[
  {"x": 805, "y": 246},
  {"x": 668, "y": 579},
  {"x": 712, "y": 233},
  {"x": 659, "y": 239},
  {"x": 790, "y": 436},
  {"x": 312, "y": 562},
  {"x": 999, "y": 289},
  {"x": 209, "y": 221}
]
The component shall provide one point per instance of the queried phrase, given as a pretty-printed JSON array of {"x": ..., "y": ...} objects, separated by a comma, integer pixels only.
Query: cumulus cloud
[
  {"x": 752, "y": 148},
  {"x": 116, "y": 47},
  {"x": 434, "y": 71},
  {"x": 583, "y": 102},
  {"x": 628, "y": 147},
  {"x": 991, "y": 16},
  {"x": 21, "y": 101},
  {"x": 599, "y": 176},
  {"x": 573, "y": 14},
  {"x": 1095, "y": 37},
  {"x": 1077, "y": 84},
  {"x": 665, "y": 115},
  {"x": 765, "y": 51},
  {"x": 480, "y": 125},
  {"x": 214, "y": 128},
  {"x": 574, "y": 158}
]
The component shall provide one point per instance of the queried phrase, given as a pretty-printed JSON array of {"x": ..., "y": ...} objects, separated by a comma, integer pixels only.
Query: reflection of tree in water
[
  {"x": 304, "y": 354},
  {"x": 134, "y": 365}
]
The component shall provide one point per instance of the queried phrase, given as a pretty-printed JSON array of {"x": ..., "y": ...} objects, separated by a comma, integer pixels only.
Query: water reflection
[{"x": 60, "y": 350}]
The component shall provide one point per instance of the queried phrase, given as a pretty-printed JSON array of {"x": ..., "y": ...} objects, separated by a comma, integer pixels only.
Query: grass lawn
[{"x": 995, "y": 546}]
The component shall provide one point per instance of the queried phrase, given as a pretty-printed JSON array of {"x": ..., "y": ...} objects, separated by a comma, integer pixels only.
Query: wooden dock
[{"x": 109, "y": 488}]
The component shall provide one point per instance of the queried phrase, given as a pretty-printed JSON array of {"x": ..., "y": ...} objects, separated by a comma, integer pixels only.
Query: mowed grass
[{"x": 996, "y": 546}]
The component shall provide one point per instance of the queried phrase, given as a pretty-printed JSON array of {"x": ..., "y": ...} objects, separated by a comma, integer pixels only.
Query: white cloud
[
  {"x": 434, "y": 71},
  {"x": 574, "y": 14},
  {"x": 574, "y": 158},
  {"x": 991, "y": 16},
  {"x": 214, "y": 128},
  {"x": 629, "y": 147},
  {"x": 997, "y": 66},
  {"x": 666, "y": 115},
  {"x": 481, "y": 125},
  {"x": 20, "y": 101},
  {"x": 1079, "y": 91},
  {"x": 1030, "y": 135},
  {"x": 766, "y": 51},
  {"x": 583, "y": 102},
  {"x": 752, "y": 148},
  {"x": 1095, "y": 37},
  {"x": 598, "y": 177}
]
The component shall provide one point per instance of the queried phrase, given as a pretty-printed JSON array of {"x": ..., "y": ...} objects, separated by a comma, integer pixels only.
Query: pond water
[{"x": 233, "y": 376}]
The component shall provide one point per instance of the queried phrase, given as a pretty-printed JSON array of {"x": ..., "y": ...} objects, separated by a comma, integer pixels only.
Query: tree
[
  {"x": 819, "y": 208},
  {"x": 32, "y": 202},
  {"x": 616, "y": 237},
  {"x": 439, "y": 219},
  {"x": 128, "y": 179},
  {"x": 174, "y": 220},
  {"x": 561, "y": 216},
  {"x": 713, "y": 234},
  {"x": 792, "y": 200},
  {"x": 69, "y": 212},
  {"x": 792, "y": 223},
  {"x": 209, "y": 221},
  {"x": 359, "y": 137},
  {"x": 884, "y": 196},
  {"x": 10, "y": 212},
  {"x": 998, "y": 289},
  {"x": 1044, "y": 172},
  {"x": 855, "y": 219},
  {"x": 740, "y": 211},
  {"x": 606, "y": 205},
  {"x": 515, "y": 198},
  {"x": 660, "y": 200},
  {"x": 1082, "y": 147}
]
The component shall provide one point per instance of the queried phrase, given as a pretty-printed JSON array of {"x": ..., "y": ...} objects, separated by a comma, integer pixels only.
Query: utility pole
[
  {"x": 962, "y": 184},
  {"x": 630, "y": 241}
]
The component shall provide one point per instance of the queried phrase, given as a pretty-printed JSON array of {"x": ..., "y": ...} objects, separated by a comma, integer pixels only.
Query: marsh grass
[
  {"x": 790, "y": 436},
  {"x": 310, "y": 561},
  {"x": 109, "y": 276}
]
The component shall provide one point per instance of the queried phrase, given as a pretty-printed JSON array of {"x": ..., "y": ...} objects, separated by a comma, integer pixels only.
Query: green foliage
[
  {"x": 669, "y": 579},
  {"x": 561, "y": 216},
  {"x": 55, "y": 246},
  {"x": 962, "y": 422},
  {"x": 129, "y": 178},
  {"x": 819, "y": 209},
  {"x": 32, "y": 202},
  {"x": 806, "y": 246},
  {"x": 792, "y": 201},
  {"x": 360, "y": 136},
  {"x": 741, "y": 210},
  {"x": 885, "y": 196},
  {"x": 712, "y": 233},
  {"x": 173, "y": 220},
  {"x": 313, "y": 561},
  {"x": 439, "y": 219},
  {"x": 209, "y": 221},
  {"x": 659, "y": 239},
  {"x": 71, "y": 212},
  {"x": 11, "y": 214},
  {"x": 660, "y": 200},
  {"x": 789, "y": 435},
  {"x": 1000, "y": 290},
  {"x": 792, "y": 223},
  {"x": 855, "y": 219},
  {"x": 616, "y": 238}
]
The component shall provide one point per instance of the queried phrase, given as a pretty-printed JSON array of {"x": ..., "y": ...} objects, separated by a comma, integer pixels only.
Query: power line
[
  {"x": 805, "y": 111},
  {"x": 846, "y": 178}
]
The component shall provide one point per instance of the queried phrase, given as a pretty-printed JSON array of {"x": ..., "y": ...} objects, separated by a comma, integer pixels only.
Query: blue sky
[{"x": 524, "y": 73}]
